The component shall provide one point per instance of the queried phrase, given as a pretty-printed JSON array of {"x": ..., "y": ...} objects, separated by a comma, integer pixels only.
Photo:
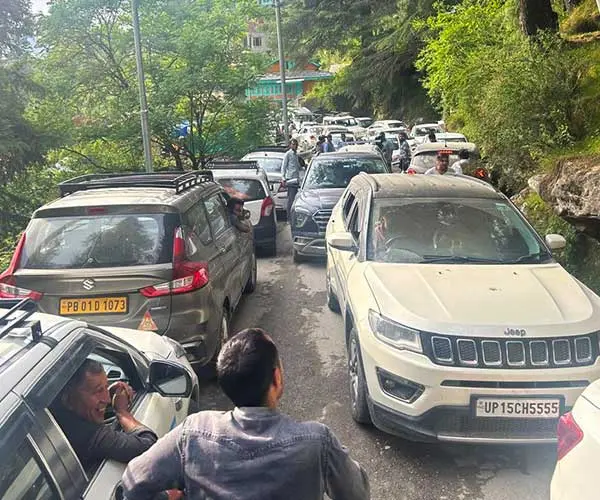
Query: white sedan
[{"x": 578, "y": 449}]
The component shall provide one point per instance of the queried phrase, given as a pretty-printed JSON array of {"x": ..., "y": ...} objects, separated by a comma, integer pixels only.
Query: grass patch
[{"x": 585, "y": 18}]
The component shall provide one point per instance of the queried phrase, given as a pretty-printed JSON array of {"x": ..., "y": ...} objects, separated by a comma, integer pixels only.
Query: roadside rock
[{"x": 573, "y": 191}]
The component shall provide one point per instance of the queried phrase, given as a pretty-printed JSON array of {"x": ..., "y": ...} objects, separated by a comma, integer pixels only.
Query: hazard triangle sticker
[{"x": 147, "y": 323}]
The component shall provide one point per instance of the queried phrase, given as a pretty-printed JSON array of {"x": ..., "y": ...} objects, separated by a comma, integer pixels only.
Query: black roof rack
[
  {"x": 233, "y": 165},
  {"x": 176, "y": 180},
  {"x": 27, "y": 307}
]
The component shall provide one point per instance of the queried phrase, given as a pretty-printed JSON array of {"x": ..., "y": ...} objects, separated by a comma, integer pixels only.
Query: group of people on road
[{"x": 253, "y": 451}]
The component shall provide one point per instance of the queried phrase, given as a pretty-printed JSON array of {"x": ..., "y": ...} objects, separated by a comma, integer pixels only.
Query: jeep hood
[
  {"x": 484, "y": 300},
  {"x": 319, "y": 198}
]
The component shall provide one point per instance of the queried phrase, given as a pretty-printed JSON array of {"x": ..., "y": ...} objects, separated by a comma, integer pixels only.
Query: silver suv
[{"x": 144, "y": 251}]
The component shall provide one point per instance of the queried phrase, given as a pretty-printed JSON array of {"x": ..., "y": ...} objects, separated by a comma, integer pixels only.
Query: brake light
[
  {"x": 480, "y": 173},
  {"x": 8, "y": 282},
  {"x": 187, "y": 276},
  {"x": 266, "y": 209},
  {"x": 411, "y": 171},
  {"x": 569, "y": 434}
]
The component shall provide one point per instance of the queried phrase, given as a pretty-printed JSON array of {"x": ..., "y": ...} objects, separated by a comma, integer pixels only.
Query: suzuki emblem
[{"x": 88, "y": 284}]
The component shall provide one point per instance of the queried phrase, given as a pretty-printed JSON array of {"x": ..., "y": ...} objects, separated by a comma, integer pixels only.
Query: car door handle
[{"x": 178, "y": 404}]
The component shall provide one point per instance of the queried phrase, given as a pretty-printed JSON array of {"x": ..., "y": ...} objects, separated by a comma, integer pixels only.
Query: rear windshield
[
  {"x": 245, "y": 189},
  {"x": 76, "y": 242},
  {"x": 338, "y": 173},
  {"x": 270, "y": 165}
]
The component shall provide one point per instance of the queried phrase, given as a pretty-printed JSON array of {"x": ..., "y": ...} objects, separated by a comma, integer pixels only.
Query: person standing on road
[
  {"x": 290, "y": 170},
  {"x": 253, "y": 451},
  {"x": 462, "y": 163},
  {"x": 387, "y": 148},
  {"x": 441, "y": 165},
  {"x": 404, "y": 151},
  {"x": 328, "y": 147}
]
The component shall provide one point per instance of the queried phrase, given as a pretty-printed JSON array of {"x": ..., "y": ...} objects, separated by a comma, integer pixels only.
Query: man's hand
[{"x": 122, "y": 396}]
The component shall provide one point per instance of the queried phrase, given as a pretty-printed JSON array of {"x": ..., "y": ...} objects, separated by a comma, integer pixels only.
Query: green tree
[
  {"x": 196, "y": 67},
  {"x": 20, "y": 142}
]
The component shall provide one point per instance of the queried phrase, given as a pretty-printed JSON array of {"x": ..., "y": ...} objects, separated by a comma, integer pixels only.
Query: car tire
[
  {"x": 194, "y": 407},
  {"x": 251, "y": 283},
  {"x": 297, "y": 257},
  {"x": 332, "y": 301},
  {"x": 358, "y": 384},
  {"x": 211, "y": 367}
]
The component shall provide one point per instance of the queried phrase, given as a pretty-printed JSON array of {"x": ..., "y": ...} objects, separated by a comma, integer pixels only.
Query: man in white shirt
[{"x": 441, "y": 165}]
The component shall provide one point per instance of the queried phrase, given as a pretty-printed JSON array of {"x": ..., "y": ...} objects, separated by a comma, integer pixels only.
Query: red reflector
[
  {"x": 480, "y": 173},
  {"x": 569, "y": 434},
  {"x": 445, "y": 152},
  {"x": 411, "y": 171}
]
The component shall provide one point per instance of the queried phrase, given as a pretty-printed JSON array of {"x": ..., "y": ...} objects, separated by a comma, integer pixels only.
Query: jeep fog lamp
[{"x": 395, "y": 334}]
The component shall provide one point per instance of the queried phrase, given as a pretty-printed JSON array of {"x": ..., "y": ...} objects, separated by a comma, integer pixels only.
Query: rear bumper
[
  {"x": 309, "y": 244},
  {"x": 265, "y": 232}
]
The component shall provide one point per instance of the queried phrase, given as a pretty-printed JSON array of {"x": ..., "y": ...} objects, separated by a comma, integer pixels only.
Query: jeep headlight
[
  {"x": 301, "y": 218},
  {"x": 395, "y": 334}
]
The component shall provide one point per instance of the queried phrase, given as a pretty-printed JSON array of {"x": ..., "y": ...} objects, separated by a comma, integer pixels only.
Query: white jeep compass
[{"x": 460, "y": 326}]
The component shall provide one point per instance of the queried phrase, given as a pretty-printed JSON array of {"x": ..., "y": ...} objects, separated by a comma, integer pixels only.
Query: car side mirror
[
  {"x": 342, "y": 241},
  {"x": 170, "y": 379},
  {"x": 555, "y": 241}
]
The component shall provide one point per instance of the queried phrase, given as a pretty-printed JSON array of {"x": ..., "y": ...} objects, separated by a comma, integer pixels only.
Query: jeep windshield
[
  {"x": 460, "y": 231},
  {"x": 94, "y": 241},
  {"x": 425, "y": 161},
  {"x": 337, "y": 173}
]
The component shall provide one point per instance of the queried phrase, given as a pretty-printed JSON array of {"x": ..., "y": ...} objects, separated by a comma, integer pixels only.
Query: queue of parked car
[{"x": 459, "y": 324}]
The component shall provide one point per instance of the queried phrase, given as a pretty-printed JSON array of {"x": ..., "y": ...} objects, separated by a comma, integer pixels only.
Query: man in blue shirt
[{"x": 253, "y": 451}]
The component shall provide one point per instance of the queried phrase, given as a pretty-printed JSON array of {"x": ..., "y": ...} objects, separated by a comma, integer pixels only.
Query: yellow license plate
[{"x": 96, "y": 305}]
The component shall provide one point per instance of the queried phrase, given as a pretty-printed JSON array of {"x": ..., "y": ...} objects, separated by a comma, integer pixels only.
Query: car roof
[
  {"x": 264, "y": 154},
  {"x": 342, "y": 155},
  {"x": 426, "y": 186},
  {"x": 437, "y": 146}
]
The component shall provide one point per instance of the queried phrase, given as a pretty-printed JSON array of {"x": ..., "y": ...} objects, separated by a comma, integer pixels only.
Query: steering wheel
[
  {"x": 444, "y": 240},
  {"x": 409, "y": 254}
]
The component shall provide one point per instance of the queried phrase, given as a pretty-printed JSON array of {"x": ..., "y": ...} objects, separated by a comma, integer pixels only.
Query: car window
[
  {"x": 428, "y": 160},
  {"x": 337, "y": 173},
  {"x": 197, "y": 227},
  {"x": 354, "y": 221},
  {"x": 118, "y": 365},
  {"x": 22, "y": 476},
  {"x": 217, "y": 214},
  {"x": 244, "y": 189},
  {"x": 464, "y": 230},
  {"x": 269, "y": 164},
  {"x": 348, "y": 202},
  {"x": 76, "y": 242}
]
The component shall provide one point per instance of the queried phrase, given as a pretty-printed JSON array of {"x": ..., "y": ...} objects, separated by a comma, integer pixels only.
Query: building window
[{"x": 256, "y": 41}]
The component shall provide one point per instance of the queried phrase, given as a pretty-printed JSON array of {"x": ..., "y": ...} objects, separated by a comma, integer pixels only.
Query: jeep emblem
[{"x": 515, "y": 332}]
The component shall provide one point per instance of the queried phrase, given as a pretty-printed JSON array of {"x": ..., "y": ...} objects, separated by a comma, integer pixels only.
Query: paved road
[{"x": 290, "y": 304}]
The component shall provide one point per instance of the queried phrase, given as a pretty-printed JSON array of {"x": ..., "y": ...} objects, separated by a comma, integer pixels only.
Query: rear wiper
[
  {"x": 532, "y": 257},
  {"x": 457, "y": 258}
]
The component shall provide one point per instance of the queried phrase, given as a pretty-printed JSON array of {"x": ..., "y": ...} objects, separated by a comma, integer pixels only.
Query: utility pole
[
  {"x": 286, "y": 129},
  {"x": 142, "y": 86}
]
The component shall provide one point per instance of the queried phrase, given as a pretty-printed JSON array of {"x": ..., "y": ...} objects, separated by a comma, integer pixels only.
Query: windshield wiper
[
  {"x": 457, "y": 258},
  {"x": 532, "y": 257}
]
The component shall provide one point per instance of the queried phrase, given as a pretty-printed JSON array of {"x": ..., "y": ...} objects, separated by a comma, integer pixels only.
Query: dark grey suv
[
  {"x": 326, "y": 178},
  {"x": 144, "y": 251}
]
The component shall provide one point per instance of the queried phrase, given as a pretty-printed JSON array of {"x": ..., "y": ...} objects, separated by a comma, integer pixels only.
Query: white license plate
[{"x": 518, "y": 407}]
